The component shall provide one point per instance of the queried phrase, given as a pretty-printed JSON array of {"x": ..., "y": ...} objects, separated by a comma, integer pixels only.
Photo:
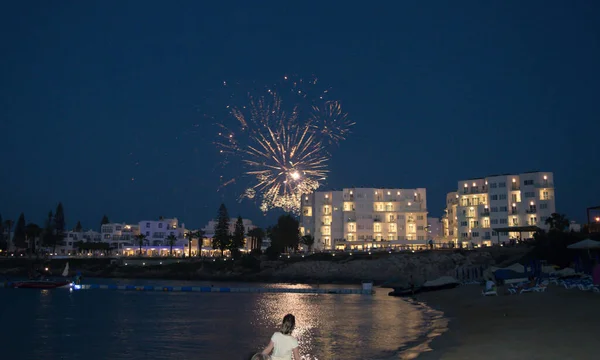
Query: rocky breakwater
[{"x": 394, "y": 269}]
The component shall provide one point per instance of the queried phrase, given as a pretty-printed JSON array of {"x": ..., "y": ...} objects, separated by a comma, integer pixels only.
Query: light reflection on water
[{"x": 101, "y": 324}]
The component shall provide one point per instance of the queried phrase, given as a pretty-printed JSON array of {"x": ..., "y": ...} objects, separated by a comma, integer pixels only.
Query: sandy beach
[{"x": 556, "y": 324}]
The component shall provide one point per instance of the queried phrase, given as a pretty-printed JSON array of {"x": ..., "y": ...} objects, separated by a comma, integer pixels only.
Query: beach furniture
[
  {"x": 489, "y": 293},
  {"x": 490, "y": 289}
]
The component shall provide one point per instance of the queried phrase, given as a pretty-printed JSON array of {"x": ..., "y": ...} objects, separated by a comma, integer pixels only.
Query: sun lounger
[
  {"x": 492, "y": 292},
  {"x": 537, "y": 288}
]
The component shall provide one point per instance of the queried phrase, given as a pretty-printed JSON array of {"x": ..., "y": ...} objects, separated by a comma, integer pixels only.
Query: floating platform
[
  {"x": 211, "y": 289},
  {"x": 367, "y": 289}
]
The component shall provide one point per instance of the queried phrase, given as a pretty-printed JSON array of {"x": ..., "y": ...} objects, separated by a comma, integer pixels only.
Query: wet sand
[{"x": 557, "y": 324}]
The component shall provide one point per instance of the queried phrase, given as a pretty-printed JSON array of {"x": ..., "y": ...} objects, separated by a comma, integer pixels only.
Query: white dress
[{"x": 283, "y": 346}]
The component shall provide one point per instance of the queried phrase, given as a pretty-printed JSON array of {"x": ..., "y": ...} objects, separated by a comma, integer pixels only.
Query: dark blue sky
[{"x": 440, "y": 91}]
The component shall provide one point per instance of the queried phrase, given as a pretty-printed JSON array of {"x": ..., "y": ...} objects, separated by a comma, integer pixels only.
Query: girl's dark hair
[{"x": 288, "y": 324}]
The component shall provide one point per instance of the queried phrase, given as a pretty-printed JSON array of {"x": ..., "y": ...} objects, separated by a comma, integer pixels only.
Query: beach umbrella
[{"x": 586, "y": 244}]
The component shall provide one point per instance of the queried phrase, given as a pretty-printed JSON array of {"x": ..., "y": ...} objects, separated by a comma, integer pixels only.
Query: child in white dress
[{"x": 282, "y": 343}]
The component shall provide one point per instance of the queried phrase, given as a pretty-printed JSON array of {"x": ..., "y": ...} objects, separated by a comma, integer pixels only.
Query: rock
[{"x": 400, "y": 267}]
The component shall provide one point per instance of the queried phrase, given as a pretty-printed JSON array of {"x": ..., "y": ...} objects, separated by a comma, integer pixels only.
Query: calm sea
[{"x": 108, "y": 324}]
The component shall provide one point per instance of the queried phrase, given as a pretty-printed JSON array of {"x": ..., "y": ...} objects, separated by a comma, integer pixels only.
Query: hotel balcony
[
  {"x": 471, "y": 203},
  {"x": 515, "y": 186},
  {"x": 377, "y": 220},
  {"x": 487, "y": 237},
  {"x": 349, "y": 197},
  {"x": 410, "y": 221},
  {"x": 544, "y": 185},
  {"x": 513, "y": 225},
  {"x": 513, "y": 211},
  {"x": 478, "y": 189},
  {"x": 485, "y": 213},
  {"x": 531, "y": 210},
  {"x": 351, "y": 220}
]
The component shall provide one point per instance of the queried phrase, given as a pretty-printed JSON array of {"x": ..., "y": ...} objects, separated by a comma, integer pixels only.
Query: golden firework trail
[{"x": 283, "y": 151}]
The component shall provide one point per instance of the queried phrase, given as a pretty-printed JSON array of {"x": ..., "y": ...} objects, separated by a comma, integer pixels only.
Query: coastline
[
  {"x": 382, "y": 268},
  {"x": 436, "y": 324},
  {"x": 555, "y": 324}
]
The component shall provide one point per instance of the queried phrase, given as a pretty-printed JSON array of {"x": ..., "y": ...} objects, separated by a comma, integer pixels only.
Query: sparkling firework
[{"x": 283, "y": 142}]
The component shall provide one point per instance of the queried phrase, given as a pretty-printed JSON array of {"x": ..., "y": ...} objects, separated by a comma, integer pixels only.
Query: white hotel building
[
  {"x": 498, "y": 208},
  {"x": 157, "y": 231},
  {"x": 119, "y": 235},
  {"x": 365, "y": 218}
]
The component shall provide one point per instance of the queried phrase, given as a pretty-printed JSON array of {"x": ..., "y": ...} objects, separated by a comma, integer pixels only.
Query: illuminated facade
[
  {"x": 157, "y": 231},
  {"x": 365, "y": 218},
  {"x": 119, "y": 234},
  {"x": 498, "y": 202}
]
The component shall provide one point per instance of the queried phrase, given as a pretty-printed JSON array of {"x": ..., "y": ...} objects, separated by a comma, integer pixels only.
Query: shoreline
[
  {"x": 555, "y": 324},
  {"x": 436, "y": 324}
]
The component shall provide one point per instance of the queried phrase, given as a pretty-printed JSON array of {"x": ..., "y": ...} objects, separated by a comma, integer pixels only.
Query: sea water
[{"x": 112, "y": 324}]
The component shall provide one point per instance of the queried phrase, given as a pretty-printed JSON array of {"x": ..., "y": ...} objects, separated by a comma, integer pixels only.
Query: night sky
[{"x": 95, "y": 94}]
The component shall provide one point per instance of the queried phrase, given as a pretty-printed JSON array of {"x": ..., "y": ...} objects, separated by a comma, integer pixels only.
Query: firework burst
[{"x": 282, "y": 138}]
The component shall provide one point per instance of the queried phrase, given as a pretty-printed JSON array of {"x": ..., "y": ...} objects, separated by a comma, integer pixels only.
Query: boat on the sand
[{"x": 443, "y": 283}]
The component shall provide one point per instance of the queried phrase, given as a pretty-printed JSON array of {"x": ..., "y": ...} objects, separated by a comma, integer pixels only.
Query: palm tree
[
  {"x": 309, "y": 241},
  {"x": 256, "y": 237},
  {"x": 557, "y": 222},
  {"x": 190, "y": 236},
  {"x": 140, "y": 238},
  {"x": 32, "y": 232},
  {"x": 200, "y": 234},
  {"x": 171, "y": 239},
  {"x": 8, "y": 224}
]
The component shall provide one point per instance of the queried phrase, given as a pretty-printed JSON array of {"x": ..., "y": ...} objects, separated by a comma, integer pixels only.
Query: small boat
[
  {"x": 404, "y": 291},
  {"x": 40, "y": 284},
  {"x": 44, "y": 283},
  {"x": 443, "y": 283},
  {"x": 65, "y": 272}
]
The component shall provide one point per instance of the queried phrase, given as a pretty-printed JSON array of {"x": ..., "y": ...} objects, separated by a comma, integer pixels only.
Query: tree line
[
  {"x": 51, "y": 234},
  {"x": 24, "y": 234},
  {"x": 285, "y": 235}
]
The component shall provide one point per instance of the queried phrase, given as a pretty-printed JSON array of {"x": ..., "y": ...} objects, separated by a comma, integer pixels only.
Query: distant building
[
  {"x": 92, "y": 236},
  {"x": 575, "y": 227},
  {"x": 117, "y": 235},
  {"x": 498, "y": 208},
  {"x": 69, "y": 243},
  {"x": 365, "y": 218},
  {"x": 434, "y": 229},
  {"x": 157, "y": 231}
]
